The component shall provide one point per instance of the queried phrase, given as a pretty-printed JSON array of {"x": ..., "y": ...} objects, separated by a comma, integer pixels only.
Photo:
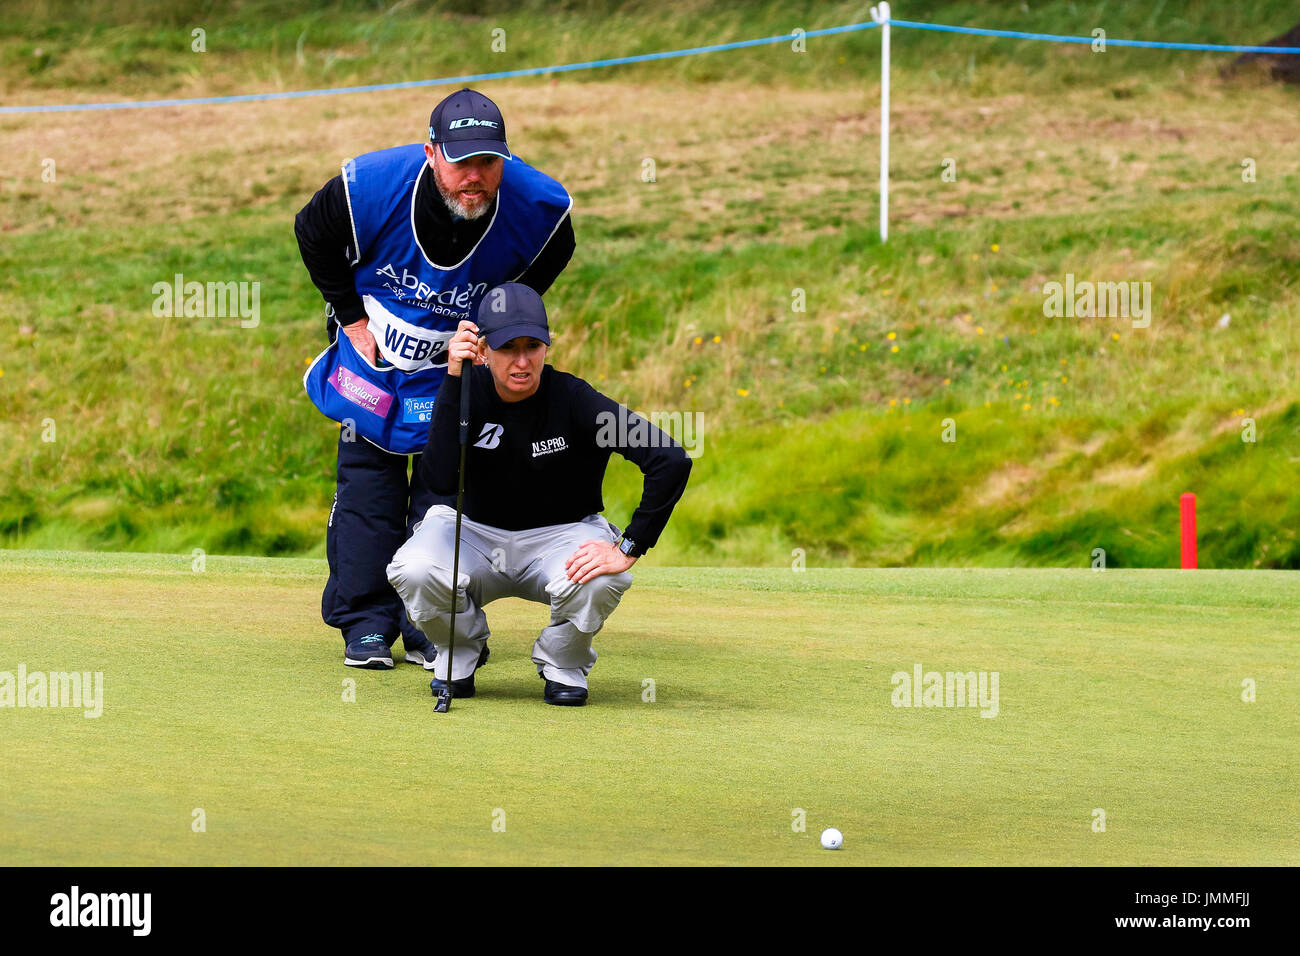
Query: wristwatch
[{"x": 626, "y": 545}]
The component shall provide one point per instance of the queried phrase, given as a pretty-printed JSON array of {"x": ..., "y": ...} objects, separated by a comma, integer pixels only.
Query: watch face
[{"x": 627, "y": 546}]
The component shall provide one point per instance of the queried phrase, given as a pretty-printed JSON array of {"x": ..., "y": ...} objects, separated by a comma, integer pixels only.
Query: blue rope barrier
[
  {"x": 442, "y": 81},
  {"x": 1060, "y": 38}
]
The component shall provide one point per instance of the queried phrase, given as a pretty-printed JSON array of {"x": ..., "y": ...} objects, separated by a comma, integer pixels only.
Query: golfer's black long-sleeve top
[
  {"x": 541, "y": 461},
  {"x": 324, "y": 231}
]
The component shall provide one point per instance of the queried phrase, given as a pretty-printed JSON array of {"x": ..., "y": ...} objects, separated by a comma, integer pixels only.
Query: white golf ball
[{"x": 832, "y": 838}]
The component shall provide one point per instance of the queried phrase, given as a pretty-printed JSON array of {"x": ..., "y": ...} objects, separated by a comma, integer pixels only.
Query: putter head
[{"x": 444, "y": 702}]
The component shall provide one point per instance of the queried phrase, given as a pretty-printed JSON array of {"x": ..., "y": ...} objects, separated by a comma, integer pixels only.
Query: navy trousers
[{"x": 378, "y": 500}]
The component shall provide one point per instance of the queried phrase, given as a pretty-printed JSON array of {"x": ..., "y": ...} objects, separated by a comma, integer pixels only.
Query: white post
[{"x": 881, "y": 16}]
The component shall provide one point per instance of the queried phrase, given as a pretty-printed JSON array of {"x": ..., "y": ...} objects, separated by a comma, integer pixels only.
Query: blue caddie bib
[{"x": 413, "y": 305}]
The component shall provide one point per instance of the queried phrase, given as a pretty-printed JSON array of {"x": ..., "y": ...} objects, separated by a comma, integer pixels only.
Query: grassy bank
[{"x": 746, "y": 283}]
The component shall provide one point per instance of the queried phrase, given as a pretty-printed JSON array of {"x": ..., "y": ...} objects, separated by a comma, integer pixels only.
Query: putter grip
[{"x": 465, "y": 368}]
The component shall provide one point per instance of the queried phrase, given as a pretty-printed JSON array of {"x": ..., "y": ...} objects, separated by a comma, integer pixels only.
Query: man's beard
[{"x": 455, "y": 206}]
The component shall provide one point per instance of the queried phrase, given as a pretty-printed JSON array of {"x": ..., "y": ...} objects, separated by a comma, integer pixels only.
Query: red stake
[{"x": 1187, "y": 507}]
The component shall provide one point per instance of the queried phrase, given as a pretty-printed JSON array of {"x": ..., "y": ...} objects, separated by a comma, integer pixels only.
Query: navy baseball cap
[
  {"x": 466, "y": 124},
  {"x": 512, "y": 311}
]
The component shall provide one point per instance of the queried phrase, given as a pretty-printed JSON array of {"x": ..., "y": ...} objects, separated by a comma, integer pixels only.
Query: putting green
[{"x": 1119, "y": 691}]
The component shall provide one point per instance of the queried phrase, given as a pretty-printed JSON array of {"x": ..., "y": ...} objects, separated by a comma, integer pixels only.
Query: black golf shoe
[
  {"x": 564, "y": 695},
  {"x": 370, "y": 651},
  {"x": 459, "y": 688}
]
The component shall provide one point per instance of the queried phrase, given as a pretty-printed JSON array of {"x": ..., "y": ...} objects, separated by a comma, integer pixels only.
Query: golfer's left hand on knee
[{"x": 595, "y": 558}]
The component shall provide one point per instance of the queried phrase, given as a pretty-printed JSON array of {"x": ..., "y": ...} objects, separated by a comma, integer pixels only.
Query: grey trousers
[{"x": 495, "y": 563}]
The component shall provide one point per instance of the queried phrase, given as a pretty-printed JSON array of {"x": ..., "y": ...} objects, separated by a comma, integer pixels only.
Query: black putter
[{"x": 444, "y": 696}]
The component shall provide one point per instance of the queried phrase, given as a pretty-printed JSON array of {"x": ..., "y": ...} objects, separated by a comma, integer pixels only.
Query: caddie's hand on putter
[
  {"x": 358, "y": 334},
  {"x": 595, "y": 558},
  {"x": 464, "y": 345}
]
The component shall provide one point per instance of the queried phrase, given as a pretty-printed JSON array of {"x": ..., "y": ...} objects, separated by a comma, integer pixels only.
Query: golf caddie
[
  {"x": 538, "y": 443},
  {"x": 403, "y": 245}
]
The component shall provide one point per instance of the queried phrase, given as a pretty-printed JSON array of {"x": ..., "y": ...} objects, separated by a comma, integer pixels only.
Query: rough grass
[{"x": 141, "y": 48}]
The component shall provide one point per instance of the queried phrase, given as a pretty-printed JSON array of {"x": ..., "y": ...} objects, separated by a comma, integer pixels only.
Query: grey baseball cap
[
  {"x": 466, "y": 124},
  {"x": 512, "y": 311}
]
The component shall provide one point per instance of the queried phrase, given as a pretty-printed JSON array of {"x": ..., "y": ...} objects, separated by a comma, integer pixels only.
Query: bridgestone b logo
[{"x": 489, "y": 437}]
